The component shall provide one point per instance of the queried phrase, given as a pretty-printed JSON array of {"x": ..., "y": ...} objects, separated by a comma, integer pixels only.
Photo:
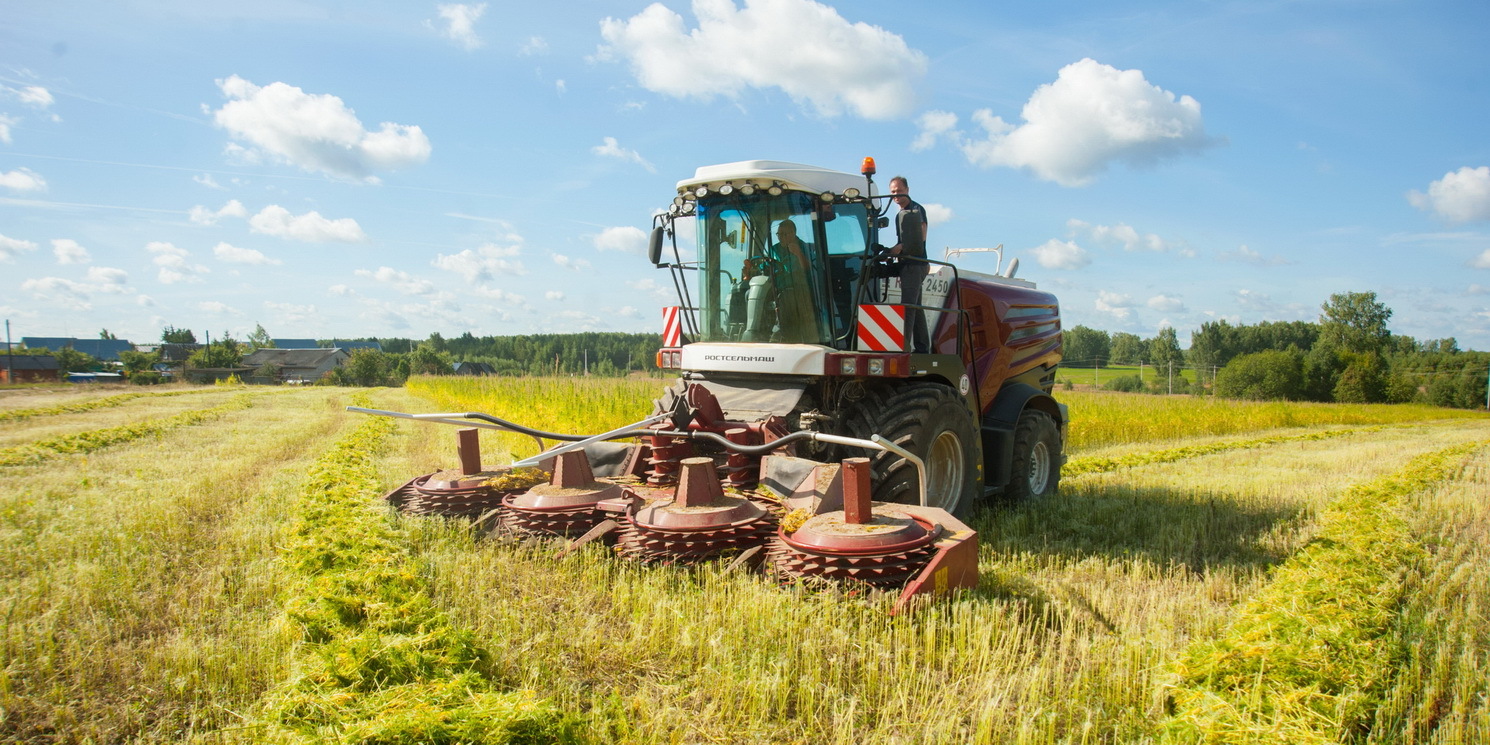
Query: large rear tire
[
  {"x": 932, "y": 421},
  {"x": 1036, "y": 470}
]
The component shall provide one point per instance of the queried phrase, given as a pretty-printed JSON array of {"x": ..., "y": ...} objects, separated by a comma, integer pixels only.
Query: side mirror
[
  {"x": 654, "y": 247},
  {"x": 882, "y": 222}
]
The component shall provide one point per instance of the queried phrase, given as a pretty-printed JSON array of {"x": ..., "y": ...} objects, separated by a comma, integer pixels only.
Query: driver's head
[{"x": 786, "y": 230}]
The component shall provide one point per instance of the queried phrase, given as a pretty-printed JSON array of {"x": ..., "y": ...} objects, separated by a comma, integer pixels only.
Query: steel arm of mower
[{"x": 575, "y": 442}]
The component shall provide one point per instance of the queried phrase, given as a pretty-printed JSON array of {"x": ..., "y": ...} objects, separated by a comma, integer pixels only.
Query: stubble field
[{"x": 217, "y": 566}]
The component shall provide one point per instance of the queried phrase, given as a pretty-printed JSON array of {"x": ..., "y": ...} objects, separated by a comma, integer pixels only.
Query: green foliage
[
  {"x": 1363, "y": 381},
  {"x": 367, "y": 367},
  {"x": 1128, "y": 349},
  {"x": 1125, "y": 384},
  {"x": 1355, "y": 322},
  {"x": 430, "y": 359},
  {"x": 106, "y": 334},
  {"x": 136, "y": 362},
  {"x": 173, "y": 335},
  {"x": 1264, "y": 376},
  {"x": 71, "y": 360},
  {"x": 1085, "y": 347},
  {"x": 260, "y": 339},
  {"x": 217, "y": 355},
  {"x": 146, "y": 377},
  {"x": 1104, "y": 464},
  {"x": 1164, "y": 349}
]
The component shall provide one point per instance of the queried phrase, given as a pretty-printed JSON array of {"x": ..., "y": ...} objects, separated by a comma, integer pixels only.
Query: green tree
[
  {"x": 1355, "y": 322},
  {"x": 1084, "y": 347},
  {"x": 221, "y": 354},
  {"x": 71, "y": 360},
  {"x": 365, "y": 367},
  {"x": 426, "y": 360},
  {"x": 1362, "y": 381},
  {"x": 106, "y": 334},
  {"x": 1214, "y": 344},
  {"x": 1322, "y": 367},
  {"x": 1164, "y": 350},
  {"x": 173, "y": 335},
  {"x": 1264, "y": 376},
  {"x": 259, "y": 339},
  {"x": 138, "y": 362},
  {"x": 1128, "y": 349}
]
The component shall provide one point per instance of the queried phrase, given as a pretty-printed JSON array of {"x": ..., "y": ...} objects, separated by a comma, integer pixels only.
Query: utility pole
[
  {"x": 1095, "y": 384},
  {"x": 1171, "y": 377},
  {"x": 1140, "y": 371},
  {"x": 10, "y": 363}
]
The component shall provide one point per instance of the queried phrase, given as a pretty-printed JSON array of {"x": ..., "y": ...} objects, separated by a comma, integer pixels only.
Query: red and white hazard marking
[
  {"x": 672, "y": 327},
  {"x": 881, "y": 328}
]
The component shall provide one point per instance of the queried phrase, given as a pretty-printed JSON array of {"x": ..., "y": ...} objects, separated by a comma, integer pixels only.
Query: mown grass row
[
  {"x": 1309, "y": 658},
  {"x": 16, "y": 415},
  {"x": 91, "y": 440},
  {"x": 379, "y": 663},
  {"x": 1102, "y": 464}
]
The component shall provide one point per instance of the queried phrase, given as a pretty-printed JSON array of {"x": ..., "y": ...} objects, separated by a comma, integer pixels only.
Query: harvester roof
[{"x": 763, "y": 173}]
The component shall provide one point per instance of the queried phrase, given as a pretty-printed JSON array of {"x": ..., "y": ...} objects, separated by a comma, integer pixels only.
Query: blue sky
[{"x": 396, "y": 169}]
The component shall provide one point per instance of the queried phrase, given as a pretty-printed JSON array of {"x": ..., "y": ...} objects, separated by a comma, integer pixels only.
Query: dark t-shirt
[{"x": 910, "y": 230}]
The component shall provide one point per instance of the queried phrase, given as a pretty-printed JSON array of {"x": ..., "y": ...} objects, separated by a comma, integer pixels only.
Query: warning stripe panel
[
  {"x": 881, "y": 328},
  {"x": 672, "y": 327}
]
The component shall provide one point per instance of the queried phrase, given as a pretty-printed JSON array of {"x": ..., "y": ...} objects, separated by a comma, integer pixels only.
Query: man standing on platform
[{"x": 910, "y": 232}]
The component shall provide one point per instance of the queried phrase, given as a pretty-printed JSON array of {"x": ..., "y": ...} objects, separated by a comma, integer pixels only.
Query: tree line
[{"x": 1349, "y": 356}]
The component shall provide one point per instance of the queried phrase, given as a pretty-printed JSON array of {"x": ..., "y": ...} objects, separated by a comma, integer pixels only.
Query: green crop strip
[
  {"x": 96, "y": 439},
  {"x": 1308, "y": 658},
  {"x": 1095, "y": 464},
  {"x": 378, "y": 662},
  {"x": 16, "y": 415}
]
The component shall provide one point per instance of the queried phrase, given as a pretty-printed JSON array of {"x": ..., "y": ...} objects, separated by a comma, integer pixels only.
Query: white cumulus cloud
[
  {"x": 610, "y": 148},
  {"x": 1249, "y": 256},
  {"x": 69, "y": 251},
  {"x": 460, "y": 23},
  {"x": 486, "y": 262},
  {"x": 1460, "y": 196},
  {"x": 1482, "y": 261},
  {"x": 228, "y": 253},
  {"x": 402, "y": 281},
  {"x": 173, "y": 263},
  {"x": 69, "y": 294},
  {"x": 937, "y": 214},
  {"x": 569, "y": 262},
  {"x": 6, "y": 122},
  {"x": 805, "y": 49},
  {"x": 203, "y": 216},
  {"x": 316, "y": 132},
  {"x": 1059, "y": 254},
  {"x": 553, "y": 295},
  {"x": 1091, "y": 116},
  {"x": 1117, "y": 305},
  {"x": 626, "y": 239},
  {"x": 310, "y": 227},
  {"x": 933, "y": 126},
  {"x": 1166, "y": 303},
  {"x": 11, "y": 247},
  {"x": 22, "y": 179},
  {"x": 1120, "y": 234}
]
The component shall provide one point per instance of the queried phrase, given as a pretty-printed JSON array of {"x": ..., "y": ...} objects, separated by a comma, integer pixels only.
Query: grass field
[{"x": 1211, "y": 572}]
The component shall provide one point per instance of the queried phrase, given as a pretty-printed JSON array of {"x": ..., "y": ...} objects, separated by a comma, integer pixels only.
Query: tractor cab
[{"x": 782, "y": 252}]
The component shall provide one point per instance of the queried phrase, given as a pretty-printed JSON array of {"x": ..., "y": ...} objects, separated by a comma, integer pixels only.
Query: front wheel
[
  {"x": 932, "y": 421},
  {"x": 1036, "y": 470}
]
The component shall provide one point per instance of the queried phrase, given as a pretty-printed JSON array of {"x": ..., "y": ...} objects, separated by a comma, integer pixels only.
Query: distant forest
[{"x": 543, "y": 354}]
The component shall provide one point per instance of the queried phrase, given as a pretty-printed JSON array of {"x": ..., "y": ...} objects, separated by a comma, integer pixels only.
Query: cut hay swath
[
  {"x": 91, "y": 440},
  {"x": 16, "y": 415},
  {"x": 1309, "y": 658},
  {"x": 378, "y": 662}
]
